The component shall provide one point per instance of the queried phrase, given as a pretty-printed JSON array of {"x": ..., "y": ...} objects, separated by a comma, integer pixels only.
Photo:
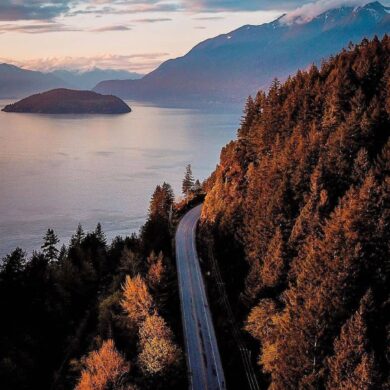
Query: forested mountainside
[
  {"x": 304, "y": 193},
  {"x": 94, "y": 315}
]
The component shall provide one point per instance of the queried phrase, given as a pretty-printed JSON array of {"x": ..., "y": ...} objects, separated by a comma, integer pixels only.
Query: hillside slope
[
  {"x": 304, "y": 191},
  {"x": 234, "y": 65}
]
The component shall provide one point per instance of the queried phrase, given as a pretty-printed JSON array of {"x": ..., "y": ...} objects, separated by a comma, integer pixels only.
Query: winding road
[{"x": 203, "y": 359}]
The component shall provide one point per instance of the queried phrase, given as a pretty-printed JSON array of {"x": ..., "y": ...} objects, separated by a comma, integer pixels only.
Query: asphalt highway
[{"x": 203, "y": 358}]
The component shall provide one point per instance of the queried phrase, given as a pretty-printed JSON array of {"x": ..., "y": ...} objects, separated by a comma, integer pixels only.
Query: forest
[
  {"x": 298, "y": 210},
  {"x": 296, "y": 220},
  {"x": 94, "y": 315}
]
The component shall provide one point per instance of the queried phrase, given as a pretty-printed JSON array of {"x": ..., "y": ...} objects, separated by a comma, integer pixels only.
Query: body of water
[{"x": 57, "y": 171}]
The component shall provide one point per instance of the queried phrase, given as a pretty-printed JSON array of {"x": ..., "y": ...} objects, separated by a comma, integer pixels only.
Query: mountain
[
  {"x": 67, "y": 101},
  {"x": 234, "y": 65},
  {"x": 88, "y": 79},
  {"x": 17, "y": 82}
]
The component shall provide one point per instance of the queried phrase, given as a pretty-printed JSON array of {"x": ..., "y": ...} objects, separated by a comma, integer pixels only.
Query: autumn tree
[
  {"x": 137, "y": 301},
  {"x": 103, "y": 369},
  {"x": 158, "y": 352},
  {"x": 156, "y": 270},
  {"x": 272, "y": 270},
  {"x": 259, "y": 323},
  {"x": 353, "y": 364}
]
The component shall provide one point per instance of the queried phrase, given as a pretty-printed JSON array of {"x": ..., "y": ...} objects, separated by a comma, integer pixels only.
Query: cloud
[
  {"x": 152, "y": 20},
  {"x": 240, "y": 5},
  {"x": 309, "y": 11},
  {"x": 12, "y": 10},
  {"x": 209, "y": 18},
  {"x": 139, "y": 62},
  {"x": 35, "y": 28},
  {"x": 121, "y": 7},
  {"x": 111, "y": 28}
]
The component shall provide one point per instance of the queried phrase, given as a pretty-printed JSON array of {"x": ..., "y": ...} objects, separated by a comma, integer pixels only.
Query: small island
[{"x": 67, "y": 101}]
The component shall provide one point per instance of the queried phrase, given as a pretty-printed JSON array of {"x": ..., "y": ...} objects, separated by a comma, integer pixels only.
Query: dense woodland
[
  {"x": 93, "y": 315},
  {"x": 299, "y": 210}
]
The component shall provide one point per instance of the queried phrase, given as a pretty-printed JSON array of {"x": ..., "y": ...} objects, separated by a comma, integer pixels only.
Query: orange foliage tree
[
  {"x": 137, "y": 301},
  {"x": 104, "y": 369},
  {"x": 158, "y": 352}
]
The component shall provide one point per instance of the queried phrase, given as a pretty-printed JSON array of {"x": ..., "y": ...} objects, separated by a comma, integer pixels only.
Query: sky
[{"x": 133, "y": 35}]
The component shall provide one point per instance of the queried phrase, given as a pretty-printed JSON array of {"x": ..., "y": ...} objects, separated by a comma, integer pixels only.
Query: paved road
[{"x": 203, "y": 359}]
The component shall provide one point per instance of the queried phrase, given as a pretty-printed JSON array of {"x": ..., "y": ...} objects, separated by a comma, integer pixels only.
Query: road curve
[{"x": 203, "y": 359}]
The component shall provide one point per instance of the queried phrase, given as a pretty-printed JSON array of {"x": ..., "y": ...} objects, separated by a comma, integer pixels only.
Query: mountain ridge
[
  {"x": 17, "y": 82},
  {"x": 231, "y": 66}
]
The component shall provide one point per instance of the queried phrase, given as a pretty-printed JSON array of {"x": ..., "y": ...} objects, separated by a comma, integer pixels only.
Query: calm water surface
[{"x": 57, "y": 171}]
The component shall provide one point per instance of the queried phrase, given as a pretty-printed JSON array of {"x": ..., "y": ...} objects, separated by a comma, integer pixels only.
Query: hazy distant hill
[
  {"x": 16, "y": 82},
  {"x": 67, "y": 101},
  {"x": 88, "y": 79},
  {"x": 233, "y": 65}
]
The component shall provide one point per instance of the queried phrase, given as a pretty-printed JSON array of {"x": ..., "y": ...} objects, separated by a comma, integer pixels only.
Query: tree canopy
[{"x": 303, "y": 193}]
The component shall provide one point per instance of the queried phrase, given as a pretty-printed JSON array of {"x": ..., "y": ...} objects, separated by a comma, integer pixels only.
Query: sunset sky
[{"x": 136, "y": 35}]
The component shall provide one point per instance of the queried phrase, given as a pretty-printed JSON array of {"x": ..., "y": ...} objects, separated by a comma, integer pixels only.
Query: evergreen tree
[
  {"x": 78, "y": 237},
  {"x": 49, "y": 248},
  {"x": 248, "y": 117},
  {"x": 161, "y": 202},
  {"x": 63, "y": 253},
  {"x": 155, "y": 233},
  {"x": 188, "y": 181},
  {"x": 130, "y": 263},
  {"x": 13, "y": 264},
  {"x": 353, "y": 364},
  {"x": 100, "y": 234},
  {"x": 272, "y": 270},
  {"x": 197, "y": 187}
]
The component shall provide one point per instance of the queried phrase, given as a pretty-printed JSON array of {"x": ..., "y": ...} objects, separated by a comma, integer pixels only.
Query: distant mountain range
[
  {"x": 88, "y": 79},
  {"x": 234, "y": 65},
  {"x": 17, "y": 82}
]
